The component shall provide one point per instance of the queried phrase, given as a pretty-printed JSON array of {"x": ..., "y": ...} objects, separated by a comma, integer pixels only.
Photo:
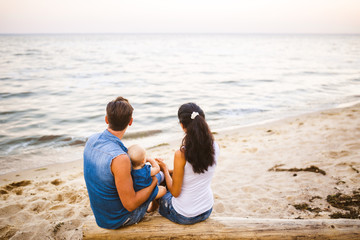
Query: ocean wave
[
  {"x": 37, "y": 140},
  {"x": 141, "y": 134},
  {"x": 11, "y": 95},
  {"x": 265, "y": 80},
  {"x": 240, "y": 83},
  {"x": 29, "y": 52},
  {"x": 13, "y": 112},
  {"x": 14, "y": 144},
  {"x": 241, "y": 111},
  {"x": 10, "y": 146},
  {"x": 319, "y": 73}
]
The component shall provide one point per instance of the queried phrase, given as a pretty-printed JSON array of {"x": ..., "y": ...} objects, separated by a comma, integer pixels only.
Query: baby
[{"x": 142, "y": 172}]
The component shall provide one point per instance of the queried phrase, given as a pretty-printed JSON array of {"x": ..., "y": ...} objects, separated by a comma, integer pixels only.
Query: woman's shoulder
[
  {"x": 180, "y": 153},
  {"x": 179, "y": 157}
]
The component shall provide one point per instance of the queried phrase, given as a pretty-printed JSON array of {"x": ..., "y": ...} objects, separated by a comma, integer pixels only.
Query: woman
[{"x": 189, "y": 198}]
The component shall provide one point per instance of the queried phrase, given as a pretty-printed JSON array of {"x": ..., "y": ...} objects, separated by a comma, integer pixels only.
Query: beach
[{"x": 302, "y": 167}]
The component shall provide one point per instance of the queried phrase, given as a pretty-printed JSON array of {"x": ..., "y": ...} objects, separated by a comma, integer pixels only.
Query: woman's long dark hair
[{"x": 198, "y": 143}]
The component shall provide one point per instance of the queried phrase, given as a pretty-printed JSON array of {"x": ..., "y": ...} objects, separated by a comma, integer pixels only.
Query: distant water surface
[{"x": 54, "y": 88}]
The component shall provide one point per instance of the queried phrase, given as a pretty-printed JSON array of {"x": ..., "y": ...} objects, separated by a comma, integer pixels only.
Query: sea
[{"x": 54, "y": 87}]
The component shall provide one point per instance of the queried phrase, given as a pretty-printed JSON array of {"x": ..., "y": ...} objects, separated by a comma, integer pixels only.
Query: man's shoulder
[
  {"x": 99, "y": 140},
  {"x": 120, "y": 163},
  {"x": 93, "y": 137},
  {"x": 101, "y": 143},
  {"x": 122, "y": 157}
]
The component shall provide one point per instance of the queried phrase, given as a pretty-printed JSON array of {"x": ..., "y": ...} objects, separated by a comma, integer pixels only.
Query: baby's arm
[{"x": 155, "y": 168}]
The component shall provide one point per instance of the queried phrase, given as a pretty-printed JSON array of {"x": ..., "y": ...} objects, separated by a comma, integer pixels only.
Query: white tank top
[{"x": 196, "y": 196}]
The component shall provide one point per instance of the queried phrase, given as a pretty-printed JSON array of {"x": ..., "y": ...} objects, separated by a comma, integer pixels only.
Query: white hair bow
[{"x": 194, "y": 114}]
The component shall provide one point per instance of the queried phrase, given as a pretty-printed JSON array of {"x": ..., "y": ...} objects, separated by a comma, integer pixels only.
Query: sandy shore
[{"x": 301, "y": 167}]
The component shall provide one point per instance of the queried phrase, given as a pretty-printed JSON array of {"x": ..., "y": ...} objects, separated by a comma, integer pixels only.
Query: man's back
[{"x": 99, "y": 152}]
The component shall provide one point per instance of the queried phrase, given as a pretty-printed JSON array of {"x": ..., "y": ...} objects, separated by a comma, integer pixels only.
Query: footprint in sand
[
  {"x": 353, "y": 146},
  {"x": 58, "y": 197},
  {"x": 250, "y": 189},
  {"x": 72, "y": 197},
  {"x": 339, "y": 154},
  {"x": 75, "y": 176},
  {"x": 39, "y": 206},
  {"x": 330, "y": 113},
  {"x": 351, "y": 116},
  {"x": 7, "y": 232},
  {"x": 56, "y": 182},
  {"x": 11, "y": 210},
  {"x": 251, "y": 150},
  {"x": 16, "y": 185},
  {"x": 69, "y": 213},
  {"x": 219, "y": 208},
  {"x": 58, "y": 206}
]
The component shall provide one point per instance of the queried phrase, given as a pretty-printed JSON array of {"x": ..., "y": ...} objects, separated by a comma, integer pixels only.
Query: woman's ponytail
[{"x": 198, "y": 143}]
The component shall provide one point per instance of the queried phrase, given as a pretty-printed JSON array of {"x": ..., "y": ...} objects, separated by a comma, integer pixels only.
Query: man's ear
[
  {"x": 106, "y": 119},
  {"x": 131, "y": 121}
]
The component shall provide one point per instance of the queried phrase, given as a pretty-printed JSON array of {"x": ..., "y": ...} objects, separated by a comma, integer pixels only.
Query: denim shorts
[
  {"x": 139, "y": 213},
  {"x": 167, "y": 210}
]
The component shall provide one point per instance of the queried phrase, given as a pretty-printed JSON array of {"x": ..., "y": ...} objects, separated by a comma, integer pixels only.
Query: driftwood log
[{"x": 157, "y": 227}]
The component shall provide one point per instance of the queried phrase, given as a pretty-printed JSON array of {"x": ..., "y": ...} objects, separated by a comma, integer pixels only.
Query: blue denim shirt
[{"x": 105, "y": 203}]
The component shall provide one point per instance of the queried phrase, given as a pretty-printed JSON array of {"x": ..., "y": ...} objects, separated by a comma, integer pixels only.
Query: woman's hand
[{"x": 162, "y": 164}]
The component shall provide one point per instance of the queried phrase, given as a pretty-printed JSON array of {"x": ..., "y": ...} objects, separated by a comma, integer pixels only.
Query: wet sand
[{"x": 301, "y": 167}]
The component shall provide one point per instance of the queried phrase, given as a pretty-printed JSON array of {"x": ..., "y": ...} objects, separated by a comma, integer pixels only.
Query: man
[{"x": 107, "y": 172}]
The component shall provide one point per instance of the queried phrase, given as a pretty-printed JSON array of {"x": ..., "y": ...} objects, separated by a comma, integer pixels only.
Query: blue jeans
[
  {"x": 139, "y": 213},
  {"x": 167, "y": 210}
]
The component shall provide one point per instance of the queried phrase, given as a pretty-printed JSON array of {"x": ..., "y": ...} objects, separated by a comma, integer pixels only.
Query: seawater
[{"x": 54, "y": 88}]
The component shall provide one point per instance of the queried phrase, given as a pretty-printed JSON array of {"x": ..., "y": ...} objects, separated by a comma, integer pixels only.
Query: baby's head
[{"x": 137, "y": 155}]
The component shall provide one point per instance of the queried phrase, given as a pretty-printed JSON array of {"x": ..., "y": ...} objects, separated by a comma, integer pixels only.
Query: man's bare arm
[{"x": 121, "y": 169}]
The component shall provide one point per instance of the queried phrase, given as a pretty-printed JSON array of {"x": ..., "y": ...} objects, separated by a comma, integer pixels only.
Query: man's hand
[
  {"x": 121, "y": 169},
  {"x": 154, "y": 180}
]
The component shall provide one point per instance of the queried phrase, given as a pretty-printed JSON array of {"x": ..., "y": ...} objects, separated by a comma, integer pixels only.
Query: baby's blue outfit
[{"x": 141, "y": 177}]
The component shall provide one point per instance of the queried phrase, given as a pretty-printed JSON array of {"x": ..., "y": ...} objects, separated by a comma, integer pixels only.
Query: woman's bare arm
[
  {"x": 174, "y": 182},
  {"x": 178, "y": 173}
]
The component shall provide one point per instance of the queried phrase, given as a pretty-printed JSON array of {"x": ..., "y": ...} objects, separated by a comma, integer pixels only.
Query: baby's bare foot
[{"x": 153, "y": 206}]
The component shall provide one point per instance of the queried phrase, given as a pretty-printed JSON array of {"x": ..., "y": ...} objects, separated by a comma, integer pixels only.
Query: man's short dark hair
[{"x": 119, "y": 113}]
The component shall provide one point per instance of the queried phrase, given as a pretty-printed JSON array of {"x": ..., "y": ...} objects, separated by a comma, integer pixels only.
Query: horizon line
[{"x": 179, "y": 33}]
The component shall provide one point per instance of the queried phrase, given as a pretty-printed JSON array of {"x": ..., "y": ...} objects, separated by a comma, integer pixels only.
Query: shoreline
[
  {"x": 264, "y": 171},
  {"x": 274, "y": 120},
  {"x": 174, "y": 139}
]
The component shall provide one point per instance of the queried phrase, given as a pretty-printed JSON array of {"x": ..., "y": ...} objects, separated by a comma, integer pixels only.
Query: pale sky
[{"x": 179, "y": 16}]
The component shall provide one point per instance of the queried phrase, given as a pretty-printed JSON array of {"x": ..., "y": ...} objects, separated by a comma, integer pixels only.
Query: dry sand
[{"x": 258, "y": 176}]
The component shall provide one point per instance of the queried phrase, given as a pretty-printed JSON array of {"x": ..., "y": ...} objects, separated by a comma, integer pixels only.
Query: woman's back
[
  {"x": 196, "y": 195},
  {"x": 190, "y": 198}
]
